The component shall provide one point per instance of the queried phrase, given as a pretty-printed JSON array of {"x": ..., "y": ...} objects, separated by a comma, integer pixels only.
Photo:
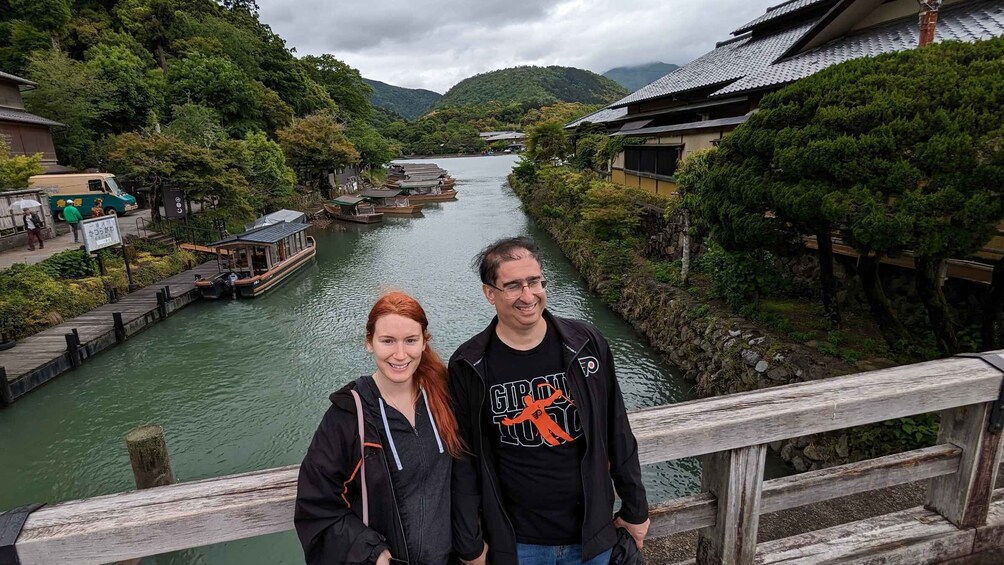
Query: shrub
[
  {"x": 70, "y": 264},
  {"x": 740, "y": 277}
]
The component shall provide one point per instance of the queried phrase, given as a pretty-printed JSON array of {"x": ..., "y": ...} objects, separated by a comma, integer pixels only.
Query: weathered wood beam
[
  {"x": 716, "y": 424},
  {"x": 963, "y": 498},
  {"x": 735, "y": 478},
  {"x": 698, "y": 511}
]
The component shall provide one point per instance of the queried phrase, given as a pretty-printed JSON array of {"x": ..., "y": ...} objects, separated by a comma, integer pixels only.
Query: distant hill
[
  {"x": 534, "y": 87},
  {"x": 408, "y": 102},
  {"x": 638, "y": 76}
]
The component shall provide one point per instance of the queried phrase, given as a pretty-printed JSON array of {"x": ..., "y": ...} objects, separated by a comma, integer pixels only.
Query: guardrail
[{"x": 731, "y": 432}]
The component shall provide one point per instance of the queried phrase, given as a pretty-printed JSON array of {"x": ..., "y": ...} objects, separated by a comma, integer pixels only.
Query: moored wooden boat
[
  {"x": 352, "y": 209},
  {"x": 258, "y": 260},
  {"x": 390, "y": 202},
  {"x": 442, "y": 196}
]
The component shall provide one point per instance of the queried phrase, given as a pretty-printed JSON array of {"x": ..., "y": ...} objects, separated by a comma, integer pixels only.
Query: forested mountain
[
  {"x": 534, "y": 87},
  {"x": 408, "y": 102},
  {"x": 197, "y": 93},
  {"x": 638, "y": 76}
]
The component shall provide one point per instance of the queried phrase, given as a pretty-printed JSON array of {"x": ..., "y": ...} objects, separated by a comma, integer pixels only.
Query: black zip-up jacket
[
  {"x": 328, "y": 514},
  {"x": 611, "y": 449}
]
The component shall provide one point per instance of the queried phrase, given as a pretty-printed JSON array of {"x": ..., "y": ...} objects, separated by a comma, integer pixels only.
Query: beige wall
[
  {"x": 26, "y": 139},
  {"x": 655, "y": 186}
]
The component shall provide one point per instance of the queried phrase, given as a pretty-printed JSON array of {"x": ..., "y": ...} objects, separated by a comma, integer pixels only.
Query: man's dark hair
[{"x": 508, "y": 249}]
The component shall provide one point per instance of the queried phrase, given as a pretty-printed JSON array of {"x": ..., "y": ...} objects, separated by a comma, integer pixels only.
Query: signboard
[
  {"x": 174, "y": 203},
  {"x": 100, "y": 232}
]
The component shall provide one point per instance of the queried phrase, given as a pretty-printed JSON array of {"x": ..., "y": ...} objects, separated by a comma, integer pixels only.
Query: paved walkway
[{"x": 128, "y": 224}]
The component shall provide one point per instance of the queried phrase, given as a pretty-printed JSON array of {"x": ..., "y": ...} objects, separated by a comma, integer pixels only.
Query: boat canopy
[
  {"x": 347, "y": 200},
  {"x": 265, "y": 235},
  {"x": 289, "y": 216},
  {"x": 380, "y": 193}
]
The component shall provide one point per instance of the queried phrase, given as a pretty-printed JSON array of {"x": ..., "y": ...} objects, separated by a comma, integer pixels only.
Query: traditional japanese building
[
  {"x": 24, "y": 132},
  {"x": 694, "y": 106}
]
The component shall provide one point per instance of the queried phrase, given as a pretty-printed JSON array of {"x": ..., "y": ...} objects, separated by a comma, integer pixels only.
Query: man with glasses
[{"x": 542, "y": 416}]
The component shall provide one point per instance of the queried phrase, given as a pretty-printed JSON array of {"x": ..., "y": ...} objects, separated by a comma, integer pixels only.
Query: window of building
[{"x": 655, "y": 160}]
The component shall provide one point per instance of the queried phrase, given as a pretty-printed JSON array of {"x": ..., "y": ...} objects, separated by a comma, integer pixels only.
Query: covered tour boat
[
  {"x": 353, "y": 209},
  {"x": 391, "y": 202},
  {"x": 259, "y": 260}
]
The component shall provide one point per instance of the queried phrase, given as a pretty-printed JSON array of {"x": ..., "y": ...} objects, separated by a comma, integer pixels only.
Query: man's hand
[
  {"x": 637, "y": 531},
  {"x": 480, "y": 560},
  {"x": 384, "y": 558}
]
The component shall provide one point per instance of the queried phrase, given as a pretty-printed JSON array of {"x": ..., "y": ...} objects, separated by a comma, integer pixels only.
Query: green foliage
[
  {"x": 410, "y": 103},
  {"x": 343, "y": 83},
  {"x": 15, "y": 170},
  {"x": 668, "y": 272},
  {"x": 740, "y": 277},
  {"x": 261, "y": 161},
  {"x": 196, "y": 125},
  {"x": 374, "y": 149},
  {"x": 525, "y": 170},
  {"x": 547, "y": 142},
  {"x": 70, "y": 264},
  {"x": 894, "y": 436},
  {"x": 589, "y": 150},
  {"x": 317, "y": 143},
  {"x": 74, "y": 94},
  {"x": 215, "y": 82},
  {"x": 534, "y": 86},
  {"x": 134, "y": 89}
]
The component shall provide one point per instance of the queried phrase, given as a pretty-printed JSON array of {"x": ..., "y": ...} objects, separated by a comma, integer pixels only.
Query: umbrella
[{"x": 25, "y": 203}]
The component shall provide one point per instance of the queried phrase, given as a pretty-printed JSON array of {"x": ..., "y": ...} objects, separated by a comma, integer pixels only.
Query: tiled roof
[
  {"x": 776, "y": 12},
  {"x": 602, "y": 116},
  {"x": 24, "y": 117},
  {"x": 692, "y": 126},
  {"x": 267, "y": 234},
  {"x": 967, "y": 21},
  {"x": 15, "y": 78},
  {"x": 730, "y": 61}
]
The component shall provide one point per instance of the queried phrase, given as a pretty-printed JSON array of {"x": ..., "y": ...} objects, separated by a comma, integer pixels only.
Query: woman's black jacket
[{"x": 328, "y": 515}]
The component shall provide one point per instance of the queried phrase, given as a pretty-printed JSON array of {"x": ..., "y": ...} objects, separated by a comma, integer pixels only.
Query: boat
[
  {"x": 427, "y": 191},
  {"x": 350, "y": 208},
  {"x": 258, "y": 260},
  {"x": 390, "y": 202}
]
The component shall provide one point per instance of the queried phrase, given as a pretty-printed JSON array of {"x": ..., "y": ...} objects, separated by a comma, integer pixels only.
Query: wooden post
[
  {"x": 963, "y": 498},
  {"x": 120, "y": 333},
  {"x": 161, "y": 304},
  {"x": 151, "y": 464},
  {"x": 72, "y": 346},
  {"x": 6, "y": 395},
  {"x": 167, "y": 293},
  {"x": 735, "y": 478}
]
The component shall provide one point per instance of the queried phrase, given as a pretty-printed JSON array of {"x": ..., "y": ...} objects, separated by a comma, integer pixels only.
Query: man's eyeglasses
[{"x": 515, "y": 288}]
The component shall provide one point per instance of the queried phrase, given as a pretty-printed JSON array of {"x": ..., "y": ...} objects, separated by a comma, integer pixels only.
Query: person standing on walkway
[
  {"x": 537, "y": 401},
  {"x": 72, "y": 217},
  {"x": 97, "y": 210},
  {"x": 374, "y": 487},
  {"x": 33, "y": 229}
]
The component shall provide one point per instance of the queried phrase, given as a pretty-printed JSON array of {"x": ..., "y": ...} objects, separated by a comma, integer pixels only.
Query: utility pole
[{"x": 928, "y": 20}]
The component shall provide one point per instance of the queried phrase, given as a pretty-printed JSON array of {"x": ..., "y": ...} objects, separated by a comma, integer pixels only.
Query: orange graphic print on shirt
[{"x": 535, "y": 413}]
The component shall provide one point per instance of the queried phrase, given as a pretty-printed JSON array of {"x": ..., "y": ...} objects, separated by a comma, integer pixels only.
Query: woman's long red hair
[{"x": 431, "y": 372}]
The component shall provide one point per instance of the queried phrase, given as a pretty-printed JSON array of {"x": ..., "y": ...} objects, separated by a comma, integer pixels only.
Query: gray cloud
[{"x": 434, "y": 44}]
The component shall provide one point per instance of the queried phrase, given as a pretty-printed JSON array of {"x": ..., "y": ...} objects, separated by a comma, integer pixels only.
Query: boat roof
[
  {"x": 264, "y": 234},
  {"x": 347, "y": 200},
  {"x": 379, "y": 193},
  {"x": 279, "y": 216}
]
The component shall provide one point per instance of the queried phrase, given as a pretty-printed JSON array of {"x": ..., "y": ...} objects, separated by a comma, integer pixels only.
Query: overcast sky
[{"x": 434, "y": 44}]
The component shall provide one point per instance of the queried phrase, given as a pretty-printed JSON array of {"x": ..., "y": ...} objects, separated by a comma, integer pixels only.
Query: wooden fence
[{"x": 961, "y": 517}]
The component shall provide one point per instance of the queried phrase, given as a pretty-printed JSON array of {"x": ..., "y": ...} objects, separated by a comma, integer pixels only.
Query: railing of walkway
[{"x": 731, "y": 432}]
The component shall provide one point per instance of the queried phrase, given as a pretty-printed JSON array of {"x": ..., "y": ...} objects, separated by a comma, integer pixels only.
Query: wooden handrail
[{"x": 732, "y": 429}]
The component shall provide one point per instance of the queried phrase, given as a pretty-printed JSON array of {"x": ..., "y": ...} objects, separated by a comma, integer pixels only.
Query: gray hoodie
[{"x": 420, "y": 470}]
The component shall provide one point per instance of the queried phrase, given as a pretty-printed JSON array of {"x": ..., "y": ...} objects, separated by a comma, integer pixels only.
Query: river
[{"x": 241, "y": 385}]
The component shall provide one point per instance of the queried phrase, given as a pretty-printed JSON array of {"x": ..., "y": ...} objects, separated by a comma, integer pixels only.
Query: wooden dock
[{"x": 38, "y": 359}]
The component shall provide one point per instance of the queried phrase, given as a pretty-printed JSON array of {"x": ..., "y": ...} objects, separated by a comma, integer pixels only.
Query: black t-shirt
[{"x": 538, "y": 445}]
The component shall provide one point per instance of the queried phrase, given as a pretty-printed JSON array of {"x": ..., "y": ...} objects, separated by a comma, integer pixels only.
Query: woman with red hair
[{"x": 374, "y": 487}]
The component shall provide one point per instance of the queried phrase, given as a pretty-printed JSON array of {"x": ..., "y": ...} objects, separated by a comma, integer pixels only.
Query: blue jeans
[{"x": 529, "y": 554}]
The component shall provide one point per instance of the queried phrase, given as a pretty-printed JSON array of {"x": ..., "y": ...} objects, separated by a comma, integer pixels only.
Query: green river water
[{"x": 241, "y": 385}]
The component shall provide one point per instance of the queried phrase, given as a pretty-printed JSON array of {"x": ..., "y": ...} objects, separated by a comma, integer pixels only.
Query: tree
[
  {"x": 74, "y": 94},
  {"x": 374, "y": 149},
  {"x": 151, "y": 21},
  {"x": 317, "y": 143},
  {"x": 900, "y": 153},
  {"x": 135, "y": 90},
  {"x": 49, "y": 16},
  {"x": 196, "y": 125},
  {"x": 547, "y": 142},
  {"x": 343, "y": 83},
  {"x": 15, "y": 170},
  {"x": 215, "y": 82},
  {"x": 262, "y": 163}
]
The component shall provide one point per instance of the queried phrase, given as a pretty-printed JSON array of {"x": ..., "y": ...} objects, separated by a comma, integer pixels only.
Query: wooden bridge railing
[{"x": 730, "y": 432}]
